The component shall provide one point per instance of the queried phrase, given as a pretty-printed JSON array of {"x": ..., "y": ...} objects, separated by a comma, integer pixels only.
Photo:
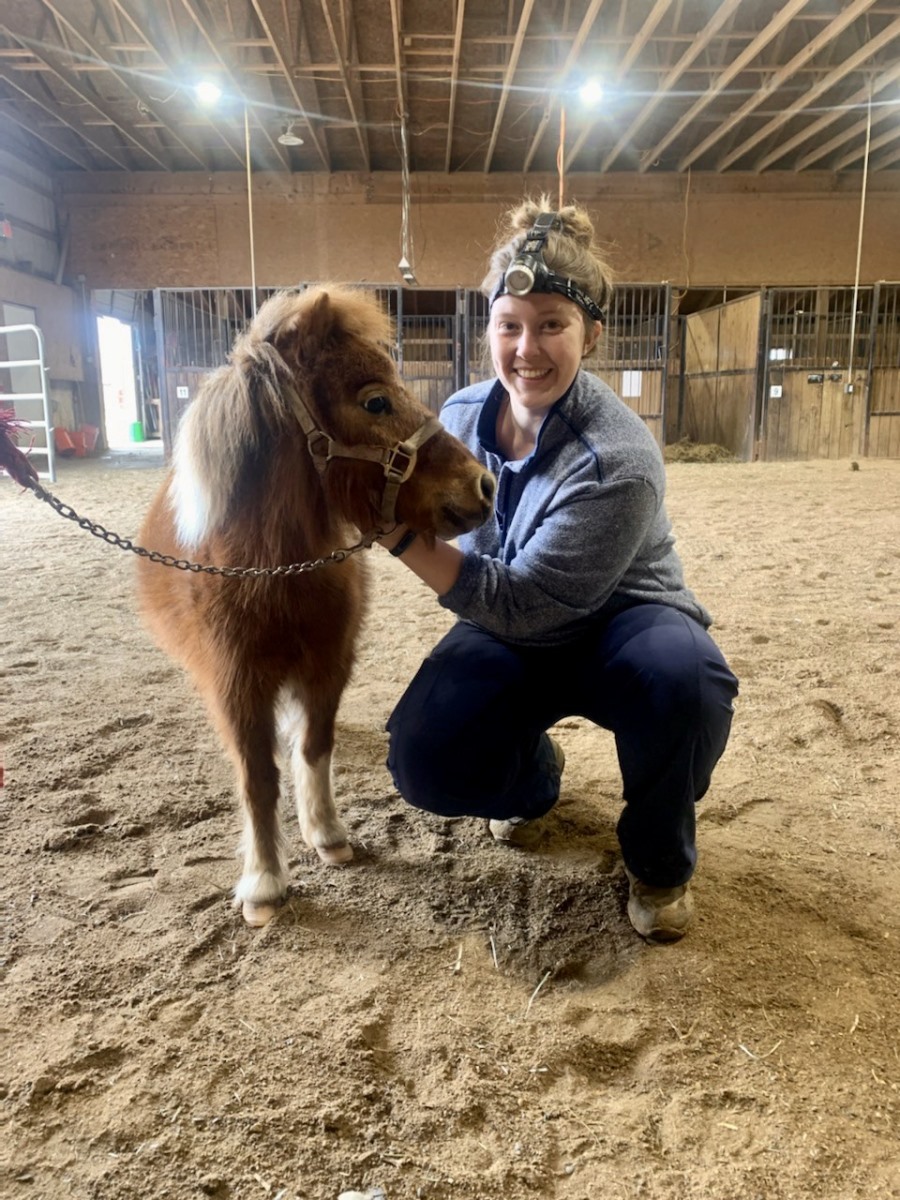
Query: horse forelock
[{"x": 306, "y": 321}]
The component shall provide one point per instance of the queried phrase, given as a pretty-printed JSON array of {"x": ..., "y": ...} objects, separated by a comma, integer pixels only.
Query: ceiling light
[
  {"x": 288, "y": 137},
  {"x": 591, "y": 92},
  {"x": 207, "y": 92}
]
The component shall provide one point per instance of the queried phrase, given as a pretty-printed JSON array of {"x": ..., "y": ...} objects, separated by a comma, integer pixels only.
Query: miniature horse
[{"x": 306, "y": 437}]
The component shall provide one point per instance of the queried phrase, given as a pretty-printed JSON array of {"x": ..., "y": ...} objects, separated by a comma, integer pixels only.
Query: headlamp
[{"x": 529, "y": 273}]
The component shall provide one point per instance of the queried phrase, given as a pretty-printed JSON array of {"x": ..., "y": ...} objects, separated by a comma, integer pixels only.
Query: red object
[{"x": 62, "y": 439}]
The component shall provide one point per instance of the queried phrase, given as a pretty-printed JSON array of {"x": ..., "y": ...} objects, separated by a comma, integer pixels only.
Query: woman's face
[{"x": 537, "y": 342}]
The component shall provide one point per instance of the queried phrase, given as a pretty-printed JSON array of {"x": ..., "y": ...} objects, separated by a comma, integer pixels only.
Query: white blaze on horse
[{"x": 306, "y": 437}]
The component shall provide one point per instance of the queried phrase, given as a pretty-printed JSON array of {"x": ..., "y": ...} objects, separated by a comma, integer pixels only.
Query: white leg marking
[{"x": 320, "y": 825}]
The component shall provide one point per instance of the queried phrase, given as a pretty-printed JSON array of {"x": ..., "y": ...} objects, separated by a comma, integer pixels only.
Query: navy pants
[{"x": 468, "y": 736}]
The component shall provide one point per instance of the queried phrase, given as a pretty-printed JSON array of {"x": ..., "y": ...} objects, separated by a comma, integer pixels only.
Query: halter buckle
[{"x": 401, "y": 462}]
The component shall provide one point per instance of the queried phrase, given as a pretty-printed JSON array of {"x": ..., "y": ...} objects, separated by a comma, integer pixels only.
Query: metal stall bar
[{"x": 22, "y": 401}]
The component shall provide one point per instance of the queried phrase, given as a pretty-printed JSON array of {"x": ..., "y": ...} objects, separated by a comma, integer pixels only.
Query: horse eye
[{"x": 377, "y": 404}]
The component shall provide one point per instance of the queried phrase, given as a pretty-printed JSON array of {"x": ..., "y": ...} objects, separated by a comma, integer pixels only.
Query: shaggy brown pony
[{"x": 265, "y": 473}]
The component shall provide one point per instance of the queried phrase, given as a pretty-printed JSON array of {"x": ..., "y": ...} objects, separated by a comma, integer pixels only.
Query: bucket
[
  {"x": 137, "y": 431},
  {"x": 89, "y": 433},
  {"x": 62, "y": 440}
]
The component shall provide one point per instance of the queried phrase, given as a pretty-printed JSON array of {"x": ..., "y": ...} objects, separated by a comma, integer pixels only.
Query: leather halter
[{"x": 398, "y": 461}]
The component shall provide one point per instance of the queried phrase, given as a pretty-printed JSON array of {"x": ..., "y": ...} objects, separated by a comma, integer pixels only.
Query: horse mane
[{"x": 244, "y": 406}]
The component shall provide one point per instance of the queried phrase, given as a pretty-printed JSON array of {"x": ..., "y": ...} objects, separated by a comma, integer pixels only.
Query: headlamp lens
[{"x": 519, "y": 279}]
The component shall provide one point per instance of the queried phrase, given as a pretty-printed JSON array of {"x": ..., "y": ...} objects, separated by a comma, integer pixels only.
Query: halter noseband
[{"x": 398, "y": 461}]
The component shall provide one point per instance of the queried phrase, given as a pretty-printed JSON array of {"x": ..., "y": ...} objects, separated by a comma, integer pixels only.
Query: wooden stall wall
[
  {"x": 883, "y": 434},
  {"x": 721, "y": 375},
  {"x": 817, "y": 353}
]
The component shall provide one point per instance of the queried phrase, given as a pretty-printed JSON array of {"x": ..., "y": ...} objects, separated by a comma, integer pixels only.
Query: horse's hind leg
[
  {"x": 306, "y": 733},
  {"x": 246, "y": 722}
]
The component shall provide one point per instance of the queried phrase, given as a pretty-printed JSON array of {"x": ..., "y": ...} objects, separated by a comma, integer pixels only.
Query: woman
[{"x": 572, "y": 599}]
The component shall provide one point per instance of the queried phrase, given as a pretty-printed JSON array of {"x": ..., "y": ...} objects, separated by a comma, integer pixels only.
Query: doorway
[{"x": 121, "y": 422}]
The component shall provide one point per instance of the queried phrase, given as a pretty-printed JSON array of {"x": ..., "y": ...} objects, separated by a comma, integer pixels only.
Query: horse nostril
[{"x": 488, "y": 486}]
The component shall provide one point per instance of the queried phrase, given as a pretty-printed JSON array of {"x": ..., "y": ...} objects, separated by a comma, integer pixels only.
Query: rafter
[
  {"x": 356, "y": 118},
  {"x": 49, "y": 137},
  {"x": 724, "y": 13},
  {"x": 125, "y": 78},
  {"x": 72, "y": 82},
  {"x": 862, "y": 55},
  {"x": 454, "y": 77},
  {"x": 269, "y": 14},
  {"x": 209, "y": 38},
  {"x": 776, "y": 79},
  {"x": 722, "y": 80},
  {"x": 628, "y": 60},
  {"x": 584, "y": 29},
  {"x": 858, "y": 98},
  {"x": 60, "y": 114},
  {"x": 888, "y": 160},
  {"x": 858, "y": 152},
  {"x": 508, "y": 77}
]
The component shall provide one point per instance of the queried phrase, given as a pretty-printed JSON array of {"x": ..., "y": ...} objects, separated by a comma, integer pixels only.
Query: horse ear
[{"x": 312, "y": 326}]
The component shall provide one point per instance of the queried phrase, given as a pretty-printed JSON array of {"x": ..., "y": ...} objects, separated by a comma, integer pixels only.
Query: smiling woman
[{"x": 572, "y": 598}]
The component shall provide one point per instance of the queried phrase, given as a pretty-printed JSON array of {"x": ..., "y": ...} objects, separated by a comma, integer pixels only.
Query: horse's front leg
[
  {"x": 247, "y": 726},
  {"x": 306, "y": 731}
]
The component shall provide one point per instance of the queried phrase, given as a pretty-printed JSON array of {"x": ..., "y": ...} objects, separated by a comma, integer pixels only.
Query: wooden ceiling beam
[
  {"x": 888, "y": 160},
  {"x": 270, "y": 15},
  {"x": 357, "y": 119},
  {"x": 454, "y": 78},
  {"x": 49, "y": 137},
  {"x": 209, "y": 38},
  {"x": 508, "y": 77},
  {"x": 725, "y": 12},
  {"x": 635, "y": 47},
  {"x": 771, "y": 85},
  {"x": 858, "y": 99},
  {"x": 858, "y": 152},
  {"x": 60, "y": 115},
  {"x": 722, "y": 80},
  {"x": 584, "y": 29},
  {"x": 862, "y": 55},
  {"x": 71, "y": 81},
  {"x": 124, "y": 77}
]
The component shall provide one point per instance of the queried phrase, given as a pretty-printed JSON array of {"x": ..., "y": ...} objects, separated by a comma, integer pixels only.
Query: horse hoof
[
  {"x": 258, "y": 915},
  {"x": 335, "y": 855}
]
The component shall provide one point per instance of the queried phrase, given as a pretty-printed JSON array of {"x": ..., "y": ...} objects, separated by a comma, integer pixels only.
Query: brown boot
[{"x": 659, "y": 914}]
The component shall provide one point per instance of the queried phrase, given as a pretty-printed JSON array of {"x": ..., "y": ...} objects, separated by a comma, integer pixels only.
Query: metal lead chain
[{"x": 182, "y": 564}]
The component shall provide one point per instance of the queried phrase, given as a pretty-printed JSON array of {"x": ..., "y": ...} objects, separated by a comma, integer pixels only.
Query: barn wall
[
  {"x": 60, "y": 315},
  {"x": 146, "y": 230}
]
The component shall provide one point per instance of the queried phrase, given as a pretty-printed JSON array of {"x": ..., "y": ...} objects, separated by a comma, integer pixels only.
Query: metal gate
[
  {"x": 883, "y": 408},
  {"x": 816, "y": 351},
  {"x": 23, "y": 378},
  {"x": 196, "y": 328},
  {"x": 634, "y": 355}
]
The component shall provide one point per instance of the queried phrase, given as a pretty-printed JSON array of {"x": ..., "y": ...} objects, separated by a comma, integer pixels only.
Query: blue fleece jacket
[{"x": 580, "y": 528}]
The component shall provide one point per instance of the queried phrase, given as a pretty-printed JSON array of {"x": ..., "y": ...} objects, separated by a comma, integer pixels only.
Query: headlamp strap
[{"x": 537, "y": 235}]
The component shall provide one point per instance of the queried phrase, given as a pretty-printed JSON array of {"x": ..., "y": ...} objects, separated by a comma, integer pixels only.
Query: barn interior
[
  {"x": 169, "y": 166},
  {"x": 447, "y": 1018}
]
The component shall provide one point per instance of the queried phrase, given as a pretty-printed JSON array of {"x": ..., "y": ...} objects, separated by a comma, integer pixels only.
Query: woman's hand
[{"x": 436, "y": 563}]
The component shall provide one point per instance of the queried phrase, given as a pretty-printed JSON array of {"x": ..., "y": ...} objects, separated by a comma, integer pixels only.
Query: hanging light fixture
[{"x": 288, "y": 137}]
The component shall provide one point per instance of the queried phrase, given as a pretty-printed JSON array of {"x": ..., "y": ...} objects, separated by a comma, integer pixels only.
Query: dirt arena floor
[{"x": 448, "y": 1018}]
